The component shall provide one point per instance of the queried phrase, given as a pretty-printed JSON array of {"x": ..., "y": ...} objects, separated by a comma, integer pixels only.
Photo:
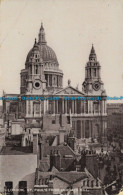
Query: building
[
  {"x": 44, "y": 121},
  {"x": 42, "y": 79},
  {"x": 114, "y": 108}
]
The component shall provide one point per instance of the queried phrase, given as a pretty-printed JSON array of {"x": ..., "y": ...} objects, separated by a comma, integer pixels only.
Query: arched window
[
  {"x": 83, "y": 183},
  {"x": 95, "y": 72},
  {"x": 54, "y": 80},
  {"x": 92, "y": 183},
  {"x": 88, "y": 183},
  {"x": 36, "y": 69}
]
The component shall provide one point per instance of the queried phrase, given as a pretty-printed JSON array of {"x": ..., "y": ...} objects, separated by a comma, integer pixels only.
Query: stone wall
[{"x": 17, "y": 168}]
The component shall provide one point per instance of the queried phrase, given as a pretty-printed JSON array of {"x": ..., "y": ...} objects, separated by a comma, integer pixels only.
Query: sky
[{"x": 71, "y": 26}]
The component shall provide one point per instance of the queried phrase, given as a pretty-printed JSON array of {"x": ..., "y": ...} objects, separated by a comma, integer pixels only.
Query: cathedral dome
[
  {"x": 47, "y": 54},
  {"x": 42, "y": 60}
]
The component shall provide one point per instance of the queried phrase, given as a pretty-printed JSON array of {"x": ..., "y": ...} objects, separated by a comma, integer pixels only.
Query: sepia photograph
[{"x": 61, "y": 97}]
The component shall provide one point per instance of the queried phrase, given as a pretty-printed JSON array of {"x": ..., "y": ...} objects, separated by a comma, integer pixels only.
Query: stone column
[
  {"x": 82, "y": 130},
  {"x": 56, "y": 106},
  {"x": 90, "y": 106},
  {"x": 88, "y": 102},
  {"x": 105, "y": 107},
  {"x": 47, "y": 105},
  {"x": 63, "y": 106},
  {"x": 40, "y": 108},
  {"x": 102, "y": 106},
  {"x": 53, "y": 106},
  {"x": 99, "y": 107},
  {"x": 90, "y": 134},
  {"x": 31, "y": 105},
  {"x": 32, "y": 69},
  {"x": 72, "y": 106},
  {"x": 27, "y": 108},
  {"x": 48, "y": 80},
  {"x": 75, "y": 106},
  {"x": 75, "y": 129},
  {"x": 44, "y": 104}
]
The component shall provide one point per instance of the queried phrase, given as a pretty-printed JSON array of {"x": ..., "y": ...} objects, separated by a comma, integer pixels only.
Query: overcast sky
[{"x": 71, "y": 26}]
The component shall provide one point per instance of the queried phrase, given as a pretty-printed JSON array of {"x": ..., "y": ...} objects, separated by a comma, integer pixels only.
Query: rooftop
[
  {"x": 70, "y": 178},
  {"x": 16, "y": 150}
]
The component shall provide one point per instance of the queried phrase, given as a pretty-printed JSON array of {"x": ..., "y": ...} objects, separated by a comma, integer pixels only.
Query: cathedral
[{"x": 42, "y": 77}]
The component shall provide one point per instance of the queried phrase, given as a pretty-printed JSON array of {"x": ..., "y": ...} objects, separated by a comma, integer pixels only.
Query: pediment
[{"x": 69, "y": 91}]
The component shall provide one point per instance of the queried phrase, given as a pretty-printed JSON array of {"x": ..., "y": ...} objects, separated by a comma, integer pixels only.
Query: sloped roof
[
  {"x": 44, "y": 166},
  {"x": 68, "y": 177},
  {"x": 71, "y": 177},
  {"x": 66, "y": 153},
  {"x": 63, "y": 149}
]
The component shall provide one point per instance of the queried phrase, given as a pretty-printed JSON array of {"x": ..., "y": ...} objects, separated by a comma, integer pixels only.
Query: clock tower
[
  {"x": 93, "y": 84},
  {"x": 94, "y": 87}
]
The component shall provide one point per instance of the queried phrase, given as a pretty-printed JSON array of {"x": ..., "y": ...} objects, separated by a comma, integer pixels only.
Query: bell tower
[
  {"x": 93, "y": 87},
  {"x": 35, "y": 81},
  {"x": 93, "y": 84}
]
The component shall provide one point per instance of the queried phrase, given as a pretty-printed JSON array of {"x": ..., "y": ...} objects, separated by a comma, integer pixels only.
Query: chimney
[
  {"x": 41, "y": 149},
  {"x": 55, "y": 159},
  {"x": 61, "y": 135},
  {"x": 35, "y": 143},
  {"x": 71, "y": 142}
]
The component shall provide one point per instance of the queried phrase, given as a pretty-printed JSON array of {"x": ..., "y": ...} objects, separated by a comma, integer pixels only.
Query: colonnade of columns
[
  {"x": 78, "y": 107},
  {"x": 54, "y": 80},
  {"x": 83, "y": 128},
  {"x": 88, "y": 128},
  {"x": 65, "y": 107}
]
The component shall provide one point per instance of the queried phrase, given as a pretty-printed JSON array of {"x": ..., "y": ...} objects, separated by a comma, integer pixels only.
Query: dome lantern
[{"x": 42, "y": 35}]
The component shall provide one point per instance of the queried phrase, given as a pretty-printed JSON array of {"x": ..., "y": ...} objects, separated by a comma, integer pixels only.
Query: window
[
  {"x": 68, "y": 119},
  {"x": 57, "y": 81},
  {"x": 36, "y": 108},
  {"x": 96, "y": 107},
  {"x": 86, "y": 106},
  {"x": 96, "y": 182},
  {"x": 36, "y": 69},
  {"x": 88, "y": 183},
  {"x": 92, "y": 183},
  {"x": 78, "y": 129},
  {"x": 9, "y": 186},
  {"x": 87, "y": 129},
  {"x": 46, "y": 78},
  {"x": 54, "y": 80},
  {"x": 53, "y": 121},
  {"x": 30, "y": 69},
  {"x": 83, "y": 183},
  {"x": 90, "y": 72},
  {"x": 22, "y": 187},
  {"x": 95, "y": 72},
  {"x": 73, "y": 125},
  {"x": 50, "y": 80}
]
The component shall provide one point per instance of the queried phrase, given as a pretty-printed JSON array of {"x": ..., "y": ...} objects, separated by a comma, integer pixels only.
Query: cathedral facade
[{"x": 42, "y": 78}]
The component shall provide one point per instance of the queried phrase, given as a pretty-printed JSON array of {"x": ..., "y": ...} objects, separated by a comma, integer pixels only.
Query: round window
[{"x": 37, "y": 84}]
